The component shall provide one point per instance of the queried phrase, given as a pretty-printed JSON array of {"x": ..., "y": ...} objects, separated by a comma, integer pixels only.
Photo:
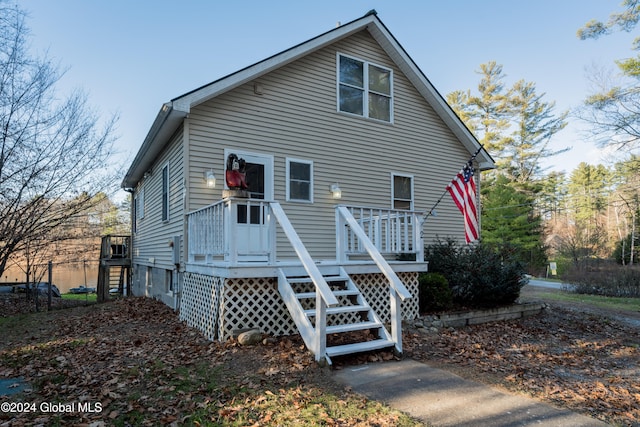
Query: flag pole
[{"x": 431, "y": 211}]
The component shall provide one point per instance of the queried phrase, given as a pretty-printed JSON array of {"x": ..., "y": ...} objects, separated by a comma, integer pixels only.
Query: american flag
[{"x": 463, "y": 192}]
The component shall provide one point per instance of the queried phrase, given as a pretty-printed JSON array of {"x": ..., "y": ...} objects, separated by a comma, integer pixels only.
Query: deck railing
[
  {"x": 392, "y": 232},
  {"x": 206, "y": 233},
  {"x": 235, "y": 230},
  {"x": 232, "y": 230},
  {"x": 397, "y": 290},
  {"x": 115, "y": 246}
]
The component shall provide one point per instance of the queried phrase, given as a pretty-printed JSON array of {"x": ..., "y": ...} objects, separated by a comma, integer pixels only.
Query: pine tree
[{"x": 614, "y": 108}]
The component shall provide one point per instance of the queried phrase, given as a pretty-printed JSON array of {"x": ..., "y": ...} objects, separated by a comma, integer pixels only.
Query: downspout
[
  {"x": 181, "y": 256},
  {"x": 130, "y": 251}
]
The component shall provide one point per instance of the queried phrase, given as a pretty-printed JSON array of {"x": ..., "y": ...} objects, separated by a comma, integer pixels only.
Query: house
[{"x": 343, "y": 144}]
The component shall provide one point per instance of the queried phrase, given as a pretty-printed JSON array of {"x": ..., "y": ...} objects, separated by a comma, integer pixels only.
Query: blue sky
[{"x": 132, "y": 56}]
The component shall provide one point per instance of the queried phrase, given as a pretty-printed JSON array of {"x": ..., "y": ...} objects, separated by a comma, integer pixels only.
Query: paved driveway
[{"x": 547, "y": 284}]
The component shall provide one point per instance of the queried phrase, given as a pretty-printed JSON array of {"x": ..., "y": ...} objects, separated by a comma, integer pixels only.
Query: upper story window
[
  {"x": 402, "y": 191},
  {"x": 138, "y": 208},
  {"x": 140, "y": 203},
  {"x": 365, "y": 89},
  {"x": 165, "y": 193},
  {"x": 299, "y": 180}
]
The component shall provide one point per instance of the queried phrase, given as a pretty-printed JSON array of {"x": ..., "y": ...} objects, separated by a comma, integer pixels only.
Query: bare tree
[
  {"x": 54, "y": 150},
  {"x": 613, "y": 109}
]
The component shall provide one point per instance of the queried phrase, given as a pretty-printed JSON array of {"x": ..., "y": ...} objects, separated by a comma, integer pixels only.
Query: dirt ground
[{"x": 572, "y": 356}]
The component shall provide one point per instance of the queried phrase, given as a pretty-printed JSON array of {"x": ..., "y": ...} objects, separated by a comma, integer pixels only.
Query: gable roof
[{"x": 173, "y": 112}]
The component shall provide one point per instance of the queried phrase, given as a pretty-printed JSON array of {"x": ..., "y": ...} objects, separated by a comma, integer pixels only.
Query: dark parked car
[
  {"x": 42, "y": 287},
  {"x": 82, "y": 290}
]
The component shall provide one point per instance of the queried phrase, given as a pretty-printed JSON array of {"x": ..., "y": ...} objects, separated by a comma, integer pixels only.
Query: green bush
[
  {"x": 479, "y": 276},
  {"x": 434, "y": 293}
]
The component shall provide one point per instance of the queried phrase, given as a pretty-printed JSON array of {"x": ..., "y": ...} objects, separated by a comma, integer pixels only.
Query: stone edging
[{"x": 476, "y": 317}]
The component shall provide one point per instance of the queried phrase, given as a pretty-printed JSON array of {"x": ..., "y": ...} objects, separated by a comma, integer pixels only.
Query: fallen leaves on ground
[
  {"x": 581, "y": 361},
  {"x": 12, "y": 304},
  {"x": 132, "y": 362},
  {"x": 144, "y": 367}
]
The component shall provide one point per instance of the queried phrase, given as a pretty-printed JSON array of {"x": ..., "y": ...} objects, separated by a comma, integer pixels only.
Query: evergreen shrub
[
  {"x": 435, "y": 294},
  {"x": 479, "y": 276}
]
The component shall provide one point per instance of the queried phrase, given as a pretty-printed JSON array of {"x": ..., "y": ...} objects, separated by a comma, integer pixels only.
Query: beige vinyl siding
[
  {"x": 297, "y": 117},
  {"x": 151, "y": 241}
]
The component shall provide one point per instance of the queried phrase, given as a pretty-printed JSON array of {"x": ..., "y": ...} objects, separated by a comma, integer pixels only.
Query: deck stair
[
  {"x": 352, "y": 315},
  {"x": 115, "y": 266}
]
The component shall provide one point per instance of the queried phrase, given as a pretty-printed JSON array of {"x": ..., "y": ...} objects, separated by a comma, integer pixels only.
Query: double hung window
[
  {"x": 165, "y": 193},
  {"x": 365, "y": 89},
  {"x": 299, "y": 180},
  {"x": 402, "y": 191}
]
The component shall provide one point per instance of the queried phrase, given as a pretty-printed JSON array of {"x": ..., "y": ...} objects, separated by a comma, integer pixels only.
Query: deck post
[
  {"x": 320, "y": 328},
  {"x": 229, "y": 237},
  {"x": 418, "y": 240},
  {"x": 341, "y": 244},
  {"x": 271, "y": 223},
  {"x": 396, "y": 318}
]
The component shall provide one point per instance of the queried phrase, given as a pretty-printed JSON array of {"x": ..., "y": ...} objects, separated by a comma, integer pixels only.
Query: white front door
[{"x": 252, "y": 232}]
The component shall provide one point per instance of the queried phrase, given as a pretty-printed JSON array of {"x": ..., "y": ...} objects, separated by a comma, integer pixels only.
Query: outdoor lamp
[
  {"x": 210, "y": 178},
  {"x": 336, "y": 191}
]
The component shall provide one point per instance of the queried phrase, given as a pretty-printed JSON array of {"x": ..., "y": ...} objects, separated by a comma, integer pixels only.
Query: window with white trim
[
  {"x": 365, "y": 89},
  {"x": 140, "y": 205},
  {"x": 165, "y": 193},
  {"x": 138, "y": 208},
  {"x": 402, "y": 191},
  {"x": 299, "y": 180},
  {"x": 134, "y": 214}
]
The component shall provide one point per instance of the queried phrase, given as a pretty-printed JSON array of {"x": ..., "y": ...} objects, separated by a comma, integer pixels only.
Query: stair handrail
[
  {"x": 307, "y": 262},
  {"x": 383, "y": 265}
]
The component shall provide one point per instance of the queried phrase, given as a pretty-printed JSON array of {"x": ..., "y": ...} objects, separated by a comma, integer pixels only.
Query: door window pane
[
  {"x": 242, "y": 214},
  {"x": 255, "y": 179},
  {"x": 255, "y": 217}
]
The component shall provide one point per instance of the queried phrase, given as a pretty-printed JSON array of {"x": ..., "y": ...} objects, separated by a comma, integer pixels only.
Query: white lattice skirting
[{"x": 219, "y": 306}]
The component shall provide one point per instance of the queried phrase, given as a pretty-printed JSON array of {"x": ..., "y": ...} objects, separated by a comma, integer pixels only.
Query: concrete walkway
[{"x": 443, "y": 399}]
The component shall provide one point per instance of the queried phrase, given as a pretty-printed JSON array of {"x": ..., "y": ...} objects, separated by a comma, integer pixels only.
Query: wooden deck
[{"x": 115, "y": 266}]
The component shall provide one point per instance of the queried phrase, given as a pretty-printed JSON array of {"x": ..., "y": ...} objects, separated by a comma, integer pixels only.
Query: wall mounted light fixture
[
  {"x": 336, "y": 192},
  {"x": 210, "y": 178}
]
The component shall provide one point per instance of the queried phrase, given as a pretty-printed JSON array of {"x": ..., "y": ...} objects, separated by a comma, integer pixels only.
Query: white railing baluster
[
  {"x": 206, "y": 229},
  {"x": 391, "y": 231},
  {"x": 397, "y": 290},
  {"x": 406, "y": 233}
]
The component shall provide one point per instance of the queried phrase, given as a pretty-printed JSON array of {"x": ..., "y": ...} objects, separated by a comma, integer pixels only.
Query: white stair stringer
[
  {"x": 302, "y": 322},
  {"x": 353, "y": 314}
]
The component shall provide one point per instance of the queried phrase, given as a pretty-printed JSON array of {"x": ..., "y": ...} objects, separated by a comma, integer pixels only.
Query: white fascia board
[
  {"x": 186, "y": 102},
  {"x": 165, "y": 123},
  {"x": 171, "y": 114}
]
